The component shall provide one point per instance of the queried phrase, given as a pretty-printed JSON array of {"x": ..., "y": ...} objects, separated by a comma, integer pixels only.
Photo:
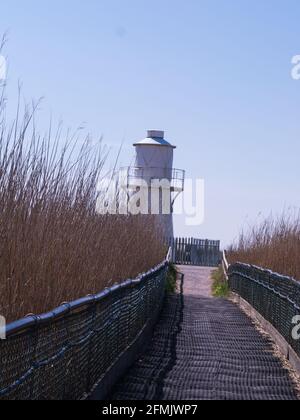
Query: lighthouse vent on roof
[
  {"x": 154, "y": 138},
  {"x": 155, "y": 134}
]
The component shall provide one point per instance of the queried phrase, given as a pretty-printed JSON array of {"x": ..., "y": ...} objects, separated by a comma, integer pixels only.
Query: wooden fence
[{"x": 196, "y": 252}]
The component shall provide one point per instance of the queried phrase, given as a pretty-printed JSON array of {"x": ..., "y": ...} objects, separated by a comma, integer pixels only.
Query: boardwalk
[{"x": 205, "y": 349}]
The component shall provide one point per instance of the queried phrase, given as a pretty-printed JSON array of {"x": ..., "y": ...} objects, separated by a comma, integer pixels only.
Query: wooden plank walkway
[{"x": 206, "y": 349}]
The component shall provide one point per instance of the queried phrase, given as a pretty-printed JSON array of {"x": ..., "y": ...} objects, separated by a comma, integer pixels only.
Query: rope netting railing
[
  {"x": 275, "y": 297},
  {"x": 64, "y": 354}
]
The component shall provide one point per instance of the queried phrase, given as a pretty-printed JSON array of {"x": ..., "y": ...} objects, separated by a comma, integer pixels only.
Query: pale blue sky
[{"x": 214, "y": 74}]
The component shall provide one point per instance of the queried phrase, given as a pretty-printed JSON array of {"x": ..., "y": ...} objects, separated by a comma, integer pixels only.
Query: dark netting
[
  {"x": 64, "y": 354},
  {"x": 275, "y": 297},
  {"x": 205, "y": 349}
]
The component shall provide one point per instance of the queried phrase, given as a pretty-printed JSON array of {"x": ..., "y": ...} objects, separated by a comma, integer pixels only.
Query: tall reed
[
  {"x": 54, "y": 247},
  {"x": 273, "y": 243}
]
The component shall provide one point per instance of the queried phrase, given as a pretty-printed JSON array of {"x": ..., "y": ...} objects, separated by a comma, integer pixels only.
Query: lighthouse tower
[{"x": 153, "y": 174}]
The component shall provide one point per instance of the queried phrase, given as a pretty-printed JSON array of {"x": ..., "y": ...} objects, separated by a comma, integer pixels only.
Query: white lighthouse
[{"x": 155, "y": 178}]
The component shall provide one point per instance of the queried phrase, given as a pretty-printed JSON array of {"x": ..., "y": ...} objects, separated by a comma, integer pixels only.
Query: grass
[
  {"x": 220, "y": 287},
  {"x": 54, "y": 247},
  {"x": 273, "y": 243},
  {"x": 171, "y": 284}
]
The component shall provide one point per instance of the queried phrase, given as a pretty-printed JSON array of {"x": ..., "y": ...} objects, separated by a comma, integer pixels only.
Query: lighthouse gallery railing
[{"x": 175, "y": 176}]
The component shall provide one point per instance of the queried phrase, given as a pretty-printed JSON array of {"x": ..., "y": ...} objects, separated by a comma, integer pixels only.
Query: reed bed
[
  {"x": 273, "y": 243},
  {"x": 54, "y": 247}
]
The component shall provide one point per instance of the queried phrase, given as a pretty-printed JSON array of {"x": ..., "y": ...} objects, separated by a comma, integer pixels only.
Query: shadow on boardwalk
[{"x": 205, "y": 349}]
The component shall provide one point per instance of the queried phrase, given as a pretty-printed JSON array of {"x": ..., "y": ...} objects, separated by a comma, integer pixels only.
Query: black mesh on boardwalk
[
  {"x": 275, "y": 297},
  {"x": 62, "y": 355},
  {"x": 206, "y": 349}
]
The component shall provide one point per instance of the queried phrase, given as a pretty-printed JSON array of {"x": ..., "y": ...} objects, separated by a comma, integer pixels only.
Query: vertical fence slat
[{"x": 197, "y": 252}]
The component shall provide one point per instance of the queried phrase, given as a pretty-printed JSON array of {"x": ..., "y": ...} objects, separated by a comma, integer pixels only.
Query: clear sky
[{"x": 214, "y": 74}]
